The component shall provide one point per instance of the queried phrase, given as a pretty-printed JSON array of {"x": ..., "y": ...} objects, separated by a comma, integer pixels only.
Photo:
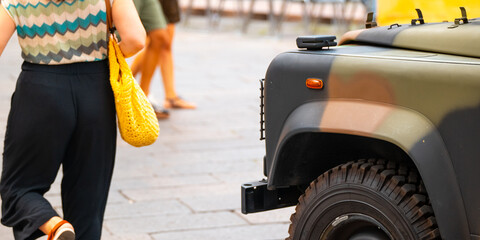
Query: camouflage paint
[
  {"x": 400, "y": 126},
  {"x": 434, "y": 37},
  {"x": 441, "y": 38},
  {"x": 434, "y": 90},
  {"x": 401, "y": 96},
  {"x": 450, "y": 98}
]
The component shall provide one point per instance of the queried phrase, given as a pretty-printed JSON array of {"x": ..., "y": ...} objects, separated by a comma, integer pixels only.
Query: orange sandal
[
  {"x": 59, "y": 232},
  {"x": 178, "y": 103}
]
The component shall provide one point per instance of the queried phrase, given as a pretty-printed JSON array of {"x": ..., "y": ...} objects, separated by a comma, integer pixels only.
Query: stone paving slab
[
  {"x": 145, "y": 209},
  {"x": 250, "y": 232},
  {"x": 216, "y": 203},
  {"x": 180, "y": 192},
  {"x": 273, "y": 216},
  {"x": 157, "y": 182},
  {"x": 177, "y": 222},
  {"x": 126, "y": 236}
]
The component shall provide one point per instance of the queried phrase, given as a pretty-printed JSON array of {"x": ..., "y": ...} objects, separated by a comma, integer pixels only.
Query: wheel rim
[{"x": 355, "y": 226}]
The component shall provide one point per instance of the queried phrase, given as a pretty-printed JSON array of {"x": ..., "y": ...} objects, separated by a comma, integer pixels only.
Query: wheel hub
[{"x": 355, "y": 226}]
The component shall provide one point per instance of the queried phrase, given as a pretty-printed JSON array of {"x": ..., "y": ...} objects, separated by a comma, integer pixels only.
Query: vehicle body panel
[
  {"x": 433, "y": 37},
  {"x": 429, "y": 106}
]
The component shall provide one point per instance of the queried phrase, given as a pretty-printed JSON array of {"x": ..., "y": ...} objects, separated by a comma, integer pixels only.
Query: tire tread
[{"x": 398, "y": 182}]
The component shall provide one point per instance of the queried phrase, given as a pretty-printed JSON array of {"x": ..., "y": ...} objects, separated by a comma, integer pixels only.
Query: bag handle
[{"x": 110, "y": 27}]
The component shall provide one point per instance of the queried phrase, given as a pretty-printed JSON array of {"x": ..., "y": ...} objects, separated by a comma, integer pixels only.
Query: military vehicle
[{"x": 376, "y": 138}]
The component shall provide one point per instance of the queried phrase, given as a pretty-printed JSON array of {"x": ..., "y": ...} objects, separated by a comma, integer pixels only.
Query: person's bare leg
[
  {"x": 50, "y": 224},
  {"x": 165, "y": 62},
  {"x": 147, "y": 63},
  {"x": 150, "y": 58},
  {"x": 138, "y": 62}
]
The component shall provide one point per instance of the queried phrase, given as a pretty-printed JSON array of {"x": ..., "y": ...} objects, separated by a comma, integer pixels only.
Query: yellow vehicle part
[{"x": 402, "y": 11}]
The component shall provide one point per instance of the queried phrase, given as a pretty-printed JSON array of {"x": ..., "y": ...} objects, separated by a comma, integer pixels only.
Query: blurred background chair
[
  {"x": 215, "y": 10},
  {"x": 219, "y": 12},
  {"x": 270, "y": 14},
  {"x": 340, "y": 13},
  {"x": 306, "y": 13},
  {"x": 192, "y": 6}
]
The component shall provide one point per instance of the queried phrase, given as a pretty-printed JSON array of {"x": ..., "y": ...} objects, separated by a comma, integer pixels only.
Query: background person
[
  {"x": 163, "y": 39},
  {"x": 153, "y": 20}
]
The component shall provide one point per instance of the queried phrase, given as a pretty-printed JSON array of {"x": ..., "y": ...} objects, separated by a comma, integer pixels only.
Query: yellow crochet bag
[{"x": 137, "y": 121}]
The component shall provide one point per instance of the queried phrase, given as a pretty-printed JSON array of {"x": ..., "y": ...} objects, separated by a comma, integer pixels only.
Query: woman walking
[
  {"x": 158, "y": 51},
  {"x": 62, "y": 114}
]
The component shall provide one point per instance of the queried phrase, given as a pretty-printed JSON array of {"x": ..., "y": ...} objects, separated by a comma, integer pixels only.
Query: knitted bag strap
[{"x": 110, "y": 27}]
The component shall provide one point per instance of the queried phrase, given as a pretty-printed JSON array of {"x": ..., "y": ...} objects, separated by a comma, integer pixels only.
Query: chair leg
[
  {"x": 216, "y": 14},
  {"x": 248, "y": 17},
  {"x": 271, "y": 17},
  {"x": 188, "y": 12},
  {"x": 319, "y": 15},
  {"x": 337, "y": 16},
  {"x": 240, "y": 12},
  {"x": 240, "y": 8},
  {"x": 306, "y": 16},
  {"x": 356, "y": 6},
  {"x": 281, "y": 16},
  {"x": 346, "y": 21},
  {"x": 208, "y": 12}
]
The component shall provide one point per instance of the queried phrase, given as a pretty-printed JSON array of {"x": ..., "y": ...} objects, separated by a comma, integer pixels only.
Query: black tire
[{"x": 365, "y": 200}]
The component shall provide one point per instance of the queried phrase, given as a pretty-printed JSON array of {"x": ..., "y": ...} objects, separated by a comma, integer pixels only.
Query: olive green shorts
[
  {"x": 171, "y": 10},
  {"x": 151, "y": 14}
]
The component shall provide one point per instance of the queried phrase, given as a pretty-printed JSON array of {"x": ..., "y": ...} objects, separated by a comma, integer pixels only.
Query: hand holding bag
[{"x": 137, "y": 121}]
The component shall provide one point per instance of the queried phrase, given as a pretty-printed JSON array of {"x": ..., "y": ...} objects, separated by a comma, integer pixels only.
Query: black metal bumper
[{"x": 257, "y": 198}]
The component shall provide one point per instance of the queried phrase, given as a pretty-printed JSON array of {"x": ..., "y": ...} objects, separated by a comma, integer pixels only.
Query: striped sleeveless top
[{"x": 60, "y": 32}]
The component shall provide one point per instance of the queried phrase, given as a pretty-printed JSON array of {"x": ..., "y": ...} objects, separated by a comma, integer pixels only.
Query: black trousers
[{"x": 60, "y": 115}]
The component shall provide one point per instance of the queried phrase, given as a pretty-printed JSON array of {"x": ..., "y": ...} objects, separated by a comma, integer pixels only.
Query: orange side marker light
[{"x": 314, "y": 83}]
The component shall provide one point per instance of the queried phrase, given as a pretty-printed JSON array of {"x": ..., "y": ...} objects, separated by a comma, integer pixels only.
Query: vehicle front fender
[{"x": 407, "y": 129}]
